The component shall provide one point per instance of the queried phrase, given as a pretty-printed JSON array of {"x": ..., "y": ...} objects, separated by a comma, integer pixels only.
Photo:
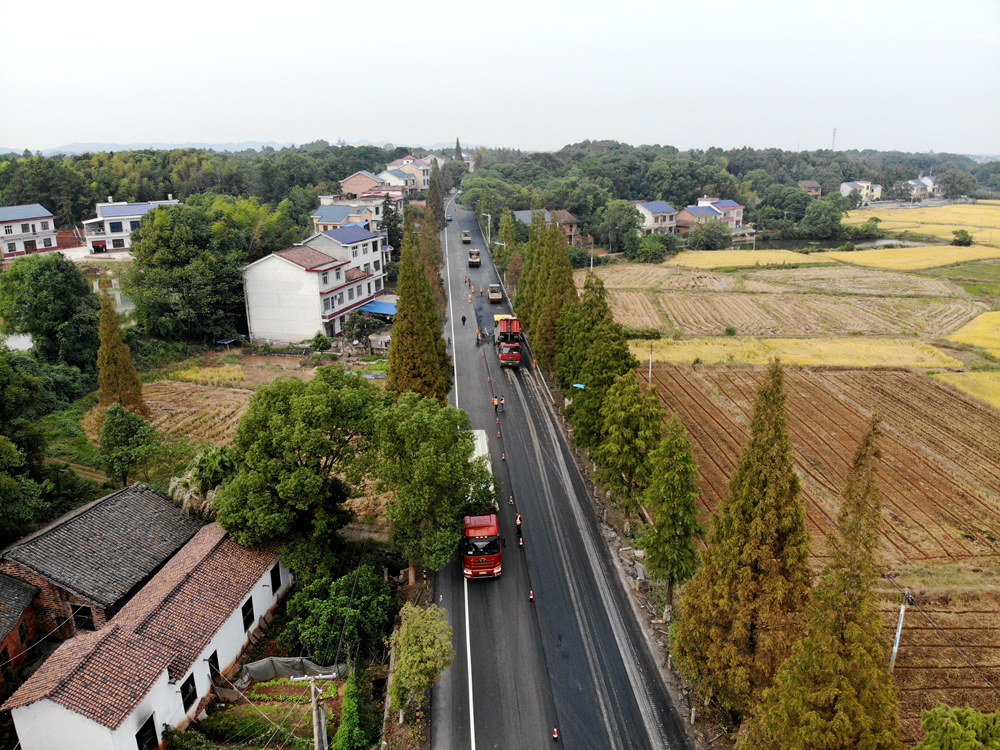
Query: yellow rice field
[
  {"x": 915, "y": 258},
  {"x": 743, "y": 258},
  {"x": 858, "y": 352},
  {"x": 983, "y": 331},
  {"x": 981, "y": 219},
  {"x": 982, "y": 385}
]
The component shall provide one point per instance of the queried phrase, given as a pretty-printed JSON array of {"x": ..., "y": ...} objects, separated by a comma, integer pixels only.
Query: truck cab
[
  {"x": 466, "y": 237},
  {"x": 474, "y": 259},
  {"x": 494, "y": 293},
  {"x": 508, "y": 337},
  {"x": 482, "y": 553}
]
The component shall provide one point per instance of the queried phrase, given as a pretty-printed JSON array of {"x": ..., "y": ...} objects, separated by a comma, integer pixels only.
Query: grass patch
[
  {"x": 64, "y": 435},
  {"x": 979, "y": 278},
  {"x": 982, "y": 385},
  {"x": 848, "y": 351},
  {"x": 953, "y": 582},
  {"x": 225, "y": 376}
]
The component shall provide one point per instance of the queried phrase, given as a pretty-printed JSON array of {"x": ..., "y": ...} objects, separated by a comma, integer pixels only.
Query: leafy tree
[
  {"x": 671, "y": 497},
  {"x": 822, "y": 219},
  {"x": 834, "y": 690},
  {"x": 953, "y": 728},
  {"x": 741, "y": 611},
  {"x": 418, "y": 357},
  {"x": 295, "y": 452},
  {"x": 359, "y": 327},
  {"x": 247, "y": 227},
  {"x": 46, "y": 297},
  {"x": 392, "y": 225},
  {"x": 507, "y": 238},
  {"x": 632, "y": 428},
  {"x": 212, "y": 465},
  {"x": 118, "y": 381},
  {"x": 962, "y": 238},
  {"x": 184, "y": 284},
  {"x": 351, "y": 734},
  {"x": 423, "y": 650},
  {"x": 654, "y": 248},
  {"x": 334, "y": 619},
  {"x": 955, "y": 183},
  {"x": 618, "y": 226},
  {"x": 435, "y": 197},
  {"x": 425, "y": 461},
  {"x": 20, "y": 496},
  {"x": 452, "y": 173},
  {"x": 714, "y": 234},
  {"x": 431, "y": 259},
  {"x": 127, "y": 442}
]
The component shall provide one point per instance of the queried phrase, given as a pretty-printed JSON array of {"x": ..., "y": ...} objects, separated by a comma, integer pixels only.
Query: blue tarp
[{"x": 378, "y": 307}]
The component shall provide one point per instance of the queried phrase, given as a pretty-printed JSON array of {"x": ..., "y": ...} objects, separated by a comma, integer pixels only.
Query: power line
[{"x": 42, "y": 639}]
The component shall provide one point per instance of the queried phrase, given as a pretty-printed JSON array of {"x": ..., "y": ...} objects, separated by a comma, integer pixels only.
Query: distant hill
[{"x": 82, "y": 148}]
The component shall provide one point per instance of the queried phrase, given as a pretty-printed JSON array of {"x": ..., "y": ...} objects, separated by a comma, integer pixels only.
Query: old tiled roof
[
  {"x": 565, "y": 217},
  {"x": 353, "y": 274},
  {"x": 102, "y": 675},
  {"x": 808, "y": 184},
  {"x": 15, "y": 596},
  {"x": 105, "y": 675},
  {"x": 307, "y": 257},
  {"x": 103, "y": 550}
]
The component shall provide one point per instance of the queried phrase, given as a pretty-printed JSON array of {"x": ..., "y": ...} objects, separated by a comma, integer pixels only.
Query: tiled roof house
[
  {"x": 158, "y": 657},
  {"x": 18, "y": 625},
  {"x": 88, "y": 563}
]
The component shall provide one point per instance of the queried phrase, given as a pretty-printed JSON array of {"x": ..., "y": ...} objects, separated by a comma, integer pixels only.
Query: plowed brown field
[
  {"x": 940, "y": 482},
  {"x": 196, "y": 413}
]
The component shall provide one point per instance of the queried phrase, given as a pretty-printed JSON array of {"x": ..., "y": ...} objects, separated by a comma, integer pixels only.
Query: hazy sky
[{"x": 912, "y": 75}]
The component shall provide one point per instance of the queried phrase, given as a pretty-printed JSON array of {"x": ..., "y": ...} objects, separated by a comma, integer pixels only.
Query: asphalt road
[{"x": 574, "y": 658}]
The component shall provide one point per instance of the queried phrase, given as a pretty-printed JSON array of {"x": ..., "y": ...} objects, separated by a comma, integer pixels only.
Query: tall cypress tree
[
  {"x": 430, "y": 259},
  {"x": 672, "y": 500},
  {"x": 633, "y": 427},
  {"x": 742, "y": 610},
  {"x": 435, "y": 196},
  {"x": 418, "y": 356},
  {"x": 607, "y": 357},
  {"x": 507, "y": 237},
  {"x": 574, "y": 330},
  {"x": 458, "y": 150},
  {"x": 117, "y": 379},
  {"x": 559, "y": 290},
  {"x": 835, "y": 692}
]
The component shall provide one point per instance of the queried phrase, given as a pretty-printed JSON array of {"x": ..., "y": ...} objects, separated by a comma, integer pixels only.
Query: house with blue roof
[
  {"x": 293, "y": 294},
  {"x": 27, "y": 229},
  {"x": 658, "y": 217},
  {"x": 726, "y": 210},
  {"x": 115, "y": 222}
]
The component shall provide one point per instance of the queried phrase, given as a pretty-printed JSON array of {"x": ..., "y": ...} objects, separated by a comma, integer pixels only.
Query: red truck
[
  {"x": 507, "y": 337},
  {"x": 482, "y": 547}
]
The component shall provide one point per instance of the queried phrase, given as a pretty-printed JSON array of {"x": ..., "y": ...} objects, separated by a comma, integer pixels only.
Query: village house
[
  {"x": 728, "y": 211},
  {"x": 27, "y": 229},
  {"x": 418, "y": 169},
  {"x": 19, "y": 627},
  {"x": 658, "y": 217},
  {"x": 568, "y": 222},
  {"x": 397, "y": 178},
  {"x": 868, "y": 191},
  {"x": 366, "y": 211},
  {"x": 359, "y": 183},
  {"x": 115, "y": 222},
  {"x": 293, "y": 294},
  {"x": 812, "y": 187},
  {"x": 156, "y": 662},
  {"x": 88, "y": 563}
]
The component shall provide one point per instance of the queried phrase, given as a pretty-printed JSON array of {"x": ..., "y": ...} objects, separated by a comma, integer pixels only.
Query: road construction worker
[
  {"x": 463, "y": 320},
  {"x": 496, "y": 404},
  {"x": 480, "y": 291},
  {"x": 470, "y": 297},
  {"x": 502, "y": 402},
  {"x": 517, "y": 522}
]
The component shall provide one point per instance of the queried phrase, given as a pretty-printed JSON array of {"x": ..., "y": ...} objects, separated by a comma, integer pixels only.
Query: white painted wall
[
  {"x": 45, "y": 725},
  {"x": 283, "y": 302}
]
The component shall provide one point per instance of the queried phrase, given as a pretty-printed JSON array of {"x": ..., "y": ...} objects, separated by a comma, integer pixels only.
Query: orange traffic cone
[
  {"x": 555, "y": 734},
  {"x": 531, "y": 595},
  {"x": 520, "y": 541}
]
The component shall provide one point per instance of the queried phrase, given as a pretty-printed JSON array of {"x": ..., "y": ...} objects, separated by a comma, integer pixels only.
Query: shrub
[
  {"x": 962, "y": 238},
  {"x": 730, "y": 330},
  {"x": 641, "y": 333},
  {"x": 847, "y": 247}
]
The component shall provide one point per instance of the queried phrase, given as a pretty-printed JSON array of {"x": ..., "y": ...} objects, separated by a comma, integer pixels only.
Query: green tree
[
  {"x": 46, "y": 297},
  {"x": 423, "y": 650},
  {"x": 295, "y": 451},
  {"x": 955, "y": 183},
  {"x": 954, "y": 728},
  {"x": 458, "y": 150},
  {"x": 435, "y": 197},
  {"x": 618, "y": 226},
  {"x": 359, "y": 327},
  {"x": 392, "y": 225},
  {"x": 127, "y": 442},
  {"x": 184, "y": 284},
  {"x": 332, "y": 620},
  {"x": 425, "y": 462},
  {"x": 431, "y": 259},
  {"x": 822, "y": 219},
  {"x": 632, "y": 428},
  {"x": 654, "y": 248},
  {"x": 418, "y": 357},
  {"x": 671, "y": 497},
  {"x": 559, "y": 290},
  {"x": 714, "y": 234},
  {"x": 507, "y": 237},
  {"x": 212, "y": 465},
  {"x": 247, "y": 227},
  {"x": 962, "y": 238},
  {"x": 350, "y": 732},
  {"x": 741, "y": 612},
  {"x": 117, "y": 379},
  {"x": 834, "y": 691},
  {"x": 21, "y": 501}
]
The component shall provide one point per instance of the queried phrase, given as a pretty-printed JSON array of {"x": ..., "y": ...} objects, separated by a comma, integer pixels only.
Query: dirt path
[{"x": 86, "y": 472}]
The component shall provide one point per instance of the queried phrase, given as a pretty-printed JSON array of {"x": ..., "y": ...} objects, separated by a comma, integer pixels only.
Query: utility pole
[
  {"x": 319, "y": 725},
  {"x": 833, "y": 144},
  {"x": 907, "y": 599}
]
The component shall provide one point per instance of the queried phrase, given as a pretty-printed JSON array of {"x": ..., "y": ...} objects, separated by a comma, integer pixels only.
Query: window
[
  {"x": 22, "y": 633},
  {"x": 189, "y": 693},
  {"x": 325, "y": 278},
  {"x": 8, "y": 229},
  {"x": 340, "y": 298},
  {"x": 248, "y": 614},
  {"x": 326, "y": 303},
  {"x": 275, "y": 578},
  {"x": 354, "y": 251},
  {"x": 47, "y": 242},
  {"x": 115, "y": 226},
  {"x": 376, "y": 265},
  {"x": 213, "y": 666},
  {"x": 378, "y": 284},
  {"x": 336, "y": 275},
  {"x": 83, "y": 618},
  {"x": 25, "y": 227},
  {"x": 368, "y": 267},
  {"x": 364, "y": 249},
  {"x": 119, "y": 243},
  {"x": 369, "y": 289},
  {"x": 350, "y": 293},
  {"x": 45, "y": 226},
  {"x": 11, "y": 247},
  {"x": 133, "y": 225},
  {"x": 145, "y": 738}
]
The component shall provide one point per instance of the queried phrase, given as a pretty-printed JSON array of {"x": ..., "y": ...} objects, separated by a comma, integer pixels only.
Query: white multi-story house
[
  {"x": 419, "y": 169},
  {"x": 397, "y": 178},
  {"x": 115, "y": 222},
  {"x": 658, "y": 217},
  {"x": 293, "y": 294},
  {"x": 157, "y": 659},
  {"x": 869, "y": 191},
  {"x": 27, "y": 229}
]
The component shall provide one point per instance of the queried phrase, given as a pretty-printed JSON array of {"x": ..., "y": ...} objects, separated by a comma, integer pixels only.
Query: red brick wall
[
  {"x": 12, "y": 641},
  {"x": 52, "y": 604}
]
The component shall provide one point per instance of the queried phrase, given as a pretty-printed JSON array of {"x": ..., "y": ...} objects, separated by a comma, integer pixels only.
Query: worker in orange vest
[
  {"x": 496, "y": 404},
  {"x": 517, "y": 522}
]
